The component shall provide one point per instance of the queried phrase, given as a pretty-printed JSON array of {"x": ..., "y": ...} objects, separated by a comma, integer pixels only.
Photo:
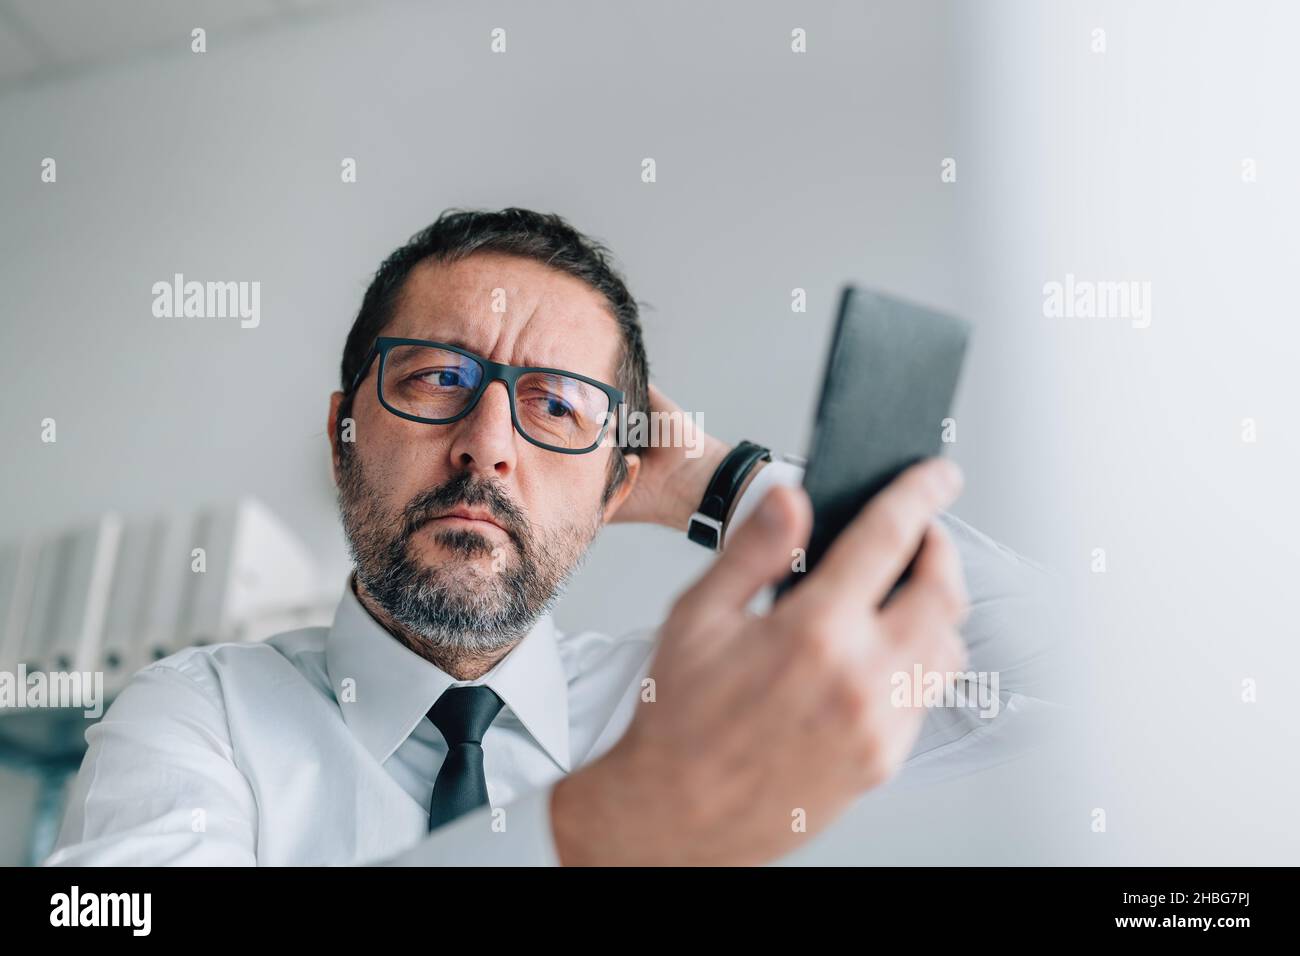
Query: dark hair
[{"x": 546, "y": 238}]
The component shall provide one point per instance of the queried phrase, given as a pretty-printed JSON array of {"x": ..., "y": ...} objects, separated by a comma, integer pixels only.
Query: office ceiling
[{"x": 45, "y": 40}]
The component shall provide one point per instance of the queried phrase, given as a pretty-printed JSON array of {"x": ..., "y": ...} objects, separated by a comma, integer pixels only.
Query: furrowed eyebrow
[
  {"x": 445, "y": 340},
  {"x": 528, "y": 360}
]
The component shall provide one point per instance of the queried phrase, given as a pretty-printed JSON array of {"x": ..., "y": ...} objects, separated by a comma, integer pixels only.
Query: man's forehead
[{"x": 511, "y": 309}]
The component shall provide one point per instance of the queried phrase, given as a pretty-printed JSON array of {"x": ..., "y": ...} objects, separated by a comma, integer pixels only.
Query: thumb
[{"x": 757, "y": 553}]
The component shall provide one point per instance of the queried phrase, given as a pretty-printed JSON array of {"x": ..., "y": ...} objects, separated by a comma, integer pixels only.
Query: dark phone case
[{"x": 890, "y": 379}]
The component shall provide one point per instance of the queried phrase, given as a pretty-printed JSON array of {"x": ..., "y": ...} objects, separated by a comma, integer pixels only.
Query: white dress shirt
[{"x": 313, "y": 747}]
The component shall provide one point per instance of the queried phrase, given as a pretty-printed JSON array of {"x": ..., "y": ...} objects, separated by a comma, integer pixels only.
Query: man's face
[{"x": 461, "y": 584}]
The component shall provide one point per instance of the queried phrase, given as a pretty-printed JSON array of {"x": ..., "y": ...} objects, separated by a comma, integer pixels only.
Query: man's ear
[
  {"x": 633, "y": 463},
  {"x": 332, "y": 429}
]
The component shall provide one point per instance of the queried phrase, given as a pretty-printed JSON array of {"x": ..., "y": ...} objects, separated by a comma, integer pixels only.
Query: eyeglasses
[{"x": 437, "y": 384}]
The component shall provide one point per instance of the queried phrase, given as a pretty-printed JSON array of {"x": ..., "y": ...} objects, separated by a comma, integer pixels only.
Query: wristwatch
[{"x": 707, "y": 524}]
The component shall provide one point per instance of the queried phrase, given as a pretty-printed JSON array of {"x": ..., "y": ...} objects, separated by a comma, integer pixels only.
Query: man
[{"x": 444, "y": 719}]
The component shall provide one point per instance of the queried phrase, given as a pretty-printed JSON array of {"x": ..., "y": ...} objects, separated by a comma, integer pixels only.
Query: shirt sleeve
[
  {"x": 519, "y": 834},
  {"x": 1010, "y": 702},
  {"x": 158, "y": 785},
  {"x": 781, "y": 470}
]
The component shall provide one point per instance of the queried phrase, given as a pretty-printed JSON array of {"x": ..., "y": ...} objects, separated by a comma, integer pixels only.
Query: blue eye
[{"x": 447, "y": 377}]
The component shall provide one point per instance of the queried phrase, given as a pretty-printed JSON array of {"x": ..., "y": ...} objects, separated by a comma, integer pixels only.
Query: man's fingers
[
  {"x": 870, "y": 554},
  {"x": 935, "y": 595},
  {"x": 757, "y": 553}
]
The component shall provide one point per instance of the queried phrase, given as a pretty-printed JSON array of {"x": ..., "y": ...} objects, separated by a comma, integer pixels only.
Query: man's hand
[
  {"x": 756, "y": 719},
  {"x": 672, "y": 480}
]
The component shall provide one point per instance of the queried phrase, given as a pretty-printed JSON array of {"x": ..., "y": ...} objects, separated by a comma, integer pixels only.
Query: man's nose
[{"x": 484, "y": 440}]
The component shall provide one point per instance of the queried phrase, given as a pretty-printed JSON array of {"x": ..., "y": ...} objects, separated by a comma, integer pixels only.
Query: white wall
[{"x": 1127, "y": 165}]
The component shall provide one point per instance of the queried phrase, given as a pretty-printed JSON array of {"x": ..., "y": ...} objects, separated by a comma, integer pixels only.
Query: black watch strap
[{"x": 706, "y": 525}]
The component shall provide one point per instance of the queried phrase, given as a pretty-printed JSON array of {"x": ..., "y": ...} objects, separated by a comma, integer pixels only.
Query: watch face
[{"x": 706, "y": 532}]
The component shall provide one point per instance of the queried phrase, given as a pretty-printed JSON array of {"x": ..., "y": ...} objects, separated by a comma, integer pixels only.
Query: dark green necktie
[{"x": 463, "y": 715}]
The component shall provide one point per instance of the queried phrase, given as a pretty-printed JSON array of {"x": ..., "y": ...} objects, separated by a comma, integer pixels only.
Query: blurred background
[{"x": 1159, "y": 150}]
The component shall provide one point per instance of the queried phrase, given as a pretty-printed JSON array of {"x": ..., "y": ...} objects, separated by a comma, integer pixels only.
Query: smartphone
[{"x": 886, "y": 399}]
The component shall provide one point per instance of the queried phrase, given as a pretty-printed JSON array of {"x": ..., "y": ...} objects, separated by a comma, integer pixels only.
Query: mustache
[{"x": 465, "y": 489}]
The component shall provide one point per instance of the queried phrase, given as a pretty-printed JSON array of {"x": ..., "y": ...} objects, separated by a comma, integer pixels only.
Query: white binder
[
  {"x": 42, "y": 610},
  {"x": 255, "y": 566},
  {"x": 75, "y": 575},
  {"x": 113, "y": 597},
  {"x": 170, "y": 542},
  {"x": 125, "y": 646},
  {"x": 17, "y": 582}
]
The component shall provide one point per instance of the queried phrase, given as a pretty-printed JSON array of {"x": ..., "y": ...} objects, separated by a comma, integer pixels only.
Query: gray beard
[{"x": 457, "y": 609}]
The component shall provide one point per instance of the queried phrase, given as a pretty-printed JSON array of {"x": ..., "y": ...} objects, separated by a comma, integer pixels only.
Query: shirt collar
[{"x": 392, "y": 687}]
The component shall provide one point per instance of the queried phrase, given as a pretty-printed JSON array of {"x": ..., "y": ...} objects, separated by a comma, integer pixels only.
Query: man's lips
[{"x": 470, "y": 516}]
